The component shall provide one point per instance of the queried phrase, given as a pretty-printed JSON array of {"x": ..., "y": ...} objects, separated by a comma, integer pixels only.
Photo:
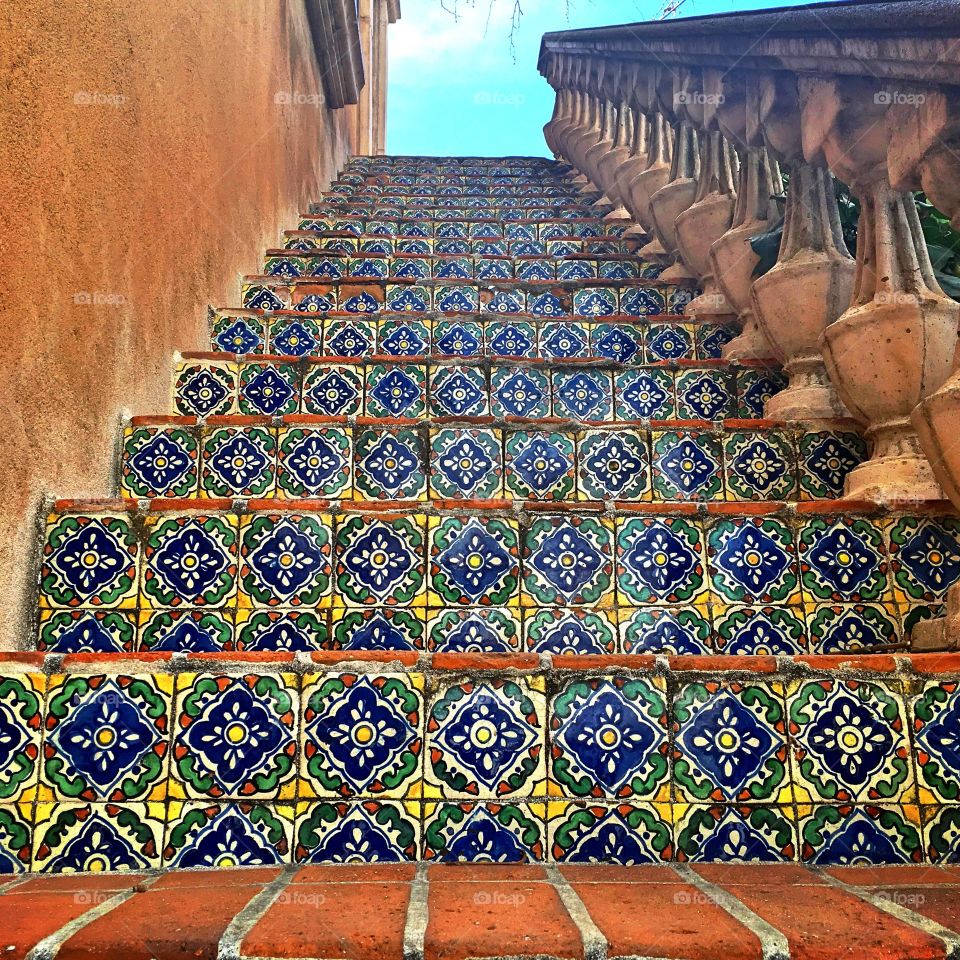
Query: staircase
[{"x": 463, "y": 544}]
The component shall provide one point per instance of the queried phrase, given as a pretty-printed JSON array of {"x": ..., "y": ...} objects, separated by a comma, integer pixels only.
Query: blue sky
[{"x": 454, "y": 85}]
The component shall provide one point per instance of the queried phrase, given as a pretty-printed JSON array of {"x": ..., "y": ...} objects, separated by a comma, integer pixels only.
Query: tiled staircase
[{"x": 463, "y": 544}]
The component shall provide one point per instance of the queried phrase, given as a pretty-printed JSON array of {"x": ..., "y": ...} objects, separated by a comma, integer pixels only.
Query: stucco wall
[{"x": 145, "y": 164}]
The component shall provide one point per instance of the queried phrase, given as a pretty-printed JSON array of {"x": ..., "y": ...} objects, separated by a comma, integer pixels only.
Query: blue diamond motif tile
[
  {"x": 190, "y": 561},
  {"x": 361, "y": 733},
  {"x": 565, "y": 341},
  {"x": 687, "y": 466},
  {"x": 267, "y": 391},
  {"x": 396, "y": 391},
  {"x": 160, "y": 462},
  {"x": 379, "y": 559},
  {"x": 540, "y": 464},
  {"x": 464, "y": 463},
  {"x": 349, "y": 342},
  {"x": 519, "y": 395},
  {"x": 616, "y": 344},
  {"x": 609, "y": 737},
  {"x": 104, "y": 736},
  {"x": 580, "y": 396},
  {"x": 390, "y": 463},
  {"x": 237, "y": 338},
  {"x": 332, "y": 394},
  {"x": 458, "y": 395},
  {"x": 458, "y": 341},
  {"x": 238, "y": 463},
  {"x": 403, "y": 342},
  {"x": 475, "y": 560},
  {"x": 659, "y": 559},
  {"x": 295, "y": 340},
  {"x": 511, "y": 341},
  {"x": 286, "y": 559},
  {"x": 753, "y": 559},
  {"x": 567, "y": 559},
  {"x": 314, "y": 461},
  {"x": 203, "y": 393},
  {"x": 644, "y": 397},
  {"x": 90, "y": 559}
]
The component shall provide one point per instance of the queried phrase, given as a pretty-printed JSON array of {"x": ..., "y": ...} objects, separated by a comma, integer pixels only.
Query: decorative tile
[
  {"x": 731, "y": 834},
  {"x": 826, "y": 458},
  {"x": 924, "y": 556},
  {"x": 159, "y": 462},
  {"x": 936, "y": 734},
  {"x": 333, "y": 390},
  {"x": 458, "y": 392},
  {"x": 614, "y": 465},
  {"x": 582, "y": 394},
  {"x": 190, "y": 560},
  {"x": 511, "y": 339},
  {"x": 842, "y": 559},
  {"x": 484, "y": 832},
  {"x": 349, "y": 338},
  {"x": 711, "y": 339},
  {"x": 539, "y": 466},
  {"x": 645, "y": 395},
  {"x": 281, "y": 630},
  {"x": 350, "y": 832},
  {"x": 474, "y": 561},
  {"x": 849, "y": 741},
  {"x": 404, "y": 338},
  {"x": 573, "y": 631},
  {"x": 860, "y": 835},
  {"x": 730, "y": 742},
  {"x": 686, "y": 465},
  {"x": 238, "y": 462},
  {"x": 97, "y": 837},
  {"x": 560, "y": 341},
  {"x": 86, "y": 631},
  {"x": 519, "y": 392},
  {"x": 192, "y": 631},
  {"x": 233, "y": 737},
  {"x": 466, "y": 464},
  {"x": 107, "y": 738},
  {"x": 285, "y": 560},
  {"x": 753, "y": 560},
  {"x": 668, "y": 342},
  {"x": 598, "y": 302},
  {"x": 642, "y": 302},
  {"x": 609, "y": 739},
  {"x": 942, "y": 833},
  {"x": 618, "y": 342},
  {"x": 457, "y": 338},
  {"x": 380, "y": 561},
  {"x": 269, "y": 389},
  {"x": 16, "y": 838},
  {"x": 89, "y": 561},
  {"x": 760, "y": 631},
  {"x": 396, "y": 390},
  {"x": 485, "y": 630},
  {"x": 295, "y": 337},
  {"x": 660, "y": 560},
  {"x": 388, "y": 628},
  {"x": 238, "y": 334},
  {"x": 362, "y": 735},
  {"x": 625, "y": 834},
  {"x": 456, "y": 299},
  {"x": 568, "y": 561},
  {"x": 485, "y": 739},
  {"x": 313, "y": 462},
  {"x": 841, "y": 628},
  {"x": 682, "y": 631},
  {"x": 389, "y": 465},
  {"x": 242, "y": 834},
  {"x": 705, "y": 395},
  {"x": 21, "y": 722},
  {"x": 205, "y": 389},
  {"x": 759, "y": 466}
]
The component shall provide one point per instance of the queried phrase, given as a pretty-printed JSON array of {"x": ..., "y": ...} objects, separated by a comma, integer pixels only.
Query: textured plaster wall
[{"x": 145, "y": 164}]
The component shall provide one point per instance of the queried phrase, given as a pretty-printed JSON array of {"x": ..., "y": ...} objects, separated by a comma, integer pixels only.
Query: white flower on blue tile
[
  {"x": 202, "y": 393},
  {"x": 160, "y": 462},
  {"x": 190, "y": 560},
  {"x": 459, "y": 395},
  {"x": 332, "y": 393},
  {"x": 752, "y": 558},
  {"x": 379, "y": 559},
  {"x": 314, "y": 461},
  {"x": 519, "y": 394},
  {"x": 90, "y": 559},
  {"x": 464, "y": 463},
  {"x": 390, "y": 463},
  {"x": 475, "y": 560},
  {"x": 238, "y": 462},
  {"x": 348, "y": 342},
  {"x": 396, "y": 391},
  {"x": 286, "y": 558},
  {"x": 688, "y": 466},
  {"x": 541, "y": 464},
  {"x": 267, "y": 391},
  {"x": 567, "y": 559}
]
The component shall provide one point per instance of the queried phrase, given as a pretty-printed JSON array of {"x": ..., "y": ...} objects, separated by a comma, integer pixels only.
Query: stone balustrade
[{"x": 865, "y": 95}]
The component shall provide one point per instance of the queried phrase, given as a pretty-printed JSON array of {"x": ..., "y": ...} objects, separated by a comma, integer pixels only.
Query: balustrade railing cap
[{"x": 913, "y": 40}]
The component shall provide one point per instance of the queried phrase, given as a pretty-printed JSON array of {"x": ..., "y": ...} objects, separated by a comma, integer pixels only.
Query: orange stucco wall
[{"x": 145, "y": 163}]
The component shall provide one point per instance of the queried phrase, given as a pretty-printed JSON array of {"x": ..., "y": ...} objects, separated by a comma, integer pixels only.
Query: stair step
[
  {"x": 596, "y": 391},
  {"x": 804, "y": 577},
  {"x": 638, "y": 340},
  {"x": 393, "y": 912},
  {"x": 476, "y": 228},
  {"x": 525, "y": 758},
  {"x": 586, "y": 298},
  {"x": 307, "y": 457}
]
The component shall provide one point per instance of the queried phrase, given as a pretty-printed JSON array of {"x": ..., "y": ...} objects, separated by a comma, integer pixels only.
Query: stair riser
[
  {"x": 641, "y": 341},
  {"x": 367, "y": 388},
  {"x": 297, "y": 791},
  {"x": 850, "y": 580},
  {"x": 535, "y": 462},
  {"x": 504, "y": 298}
]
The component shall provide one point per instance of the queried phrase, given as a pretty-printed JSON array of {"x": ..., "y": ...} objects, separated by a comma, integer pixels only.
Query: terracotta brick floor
[{"x": 455, "y": 912}]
